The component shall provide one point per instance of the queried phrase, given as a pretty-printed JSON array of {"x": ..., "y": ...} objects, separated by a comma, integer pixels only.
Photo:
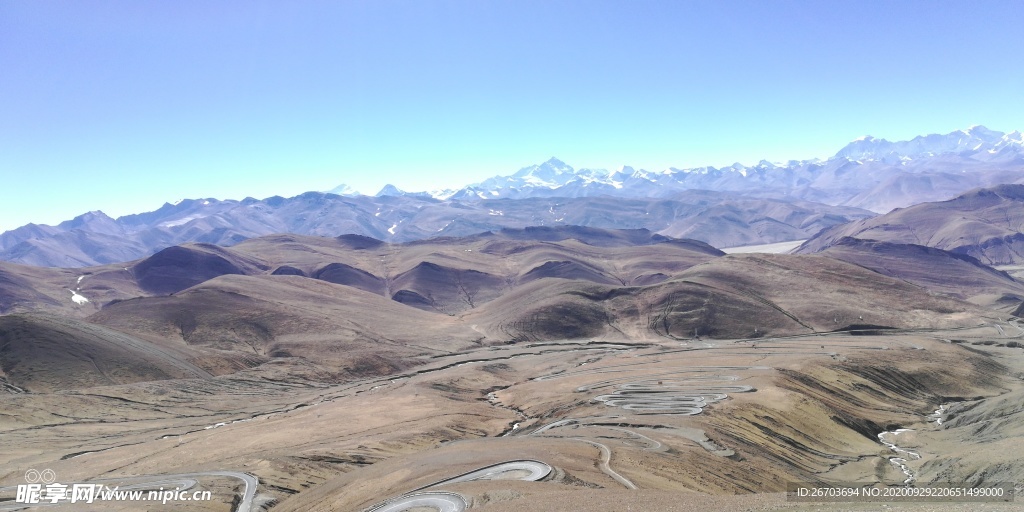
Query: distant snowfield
[
  {"x": 1015, "y": 271},
  {"x": 776, "y": 248},
  {"x": 179, "y": 222},
  {"x": 78, "y": 299}
]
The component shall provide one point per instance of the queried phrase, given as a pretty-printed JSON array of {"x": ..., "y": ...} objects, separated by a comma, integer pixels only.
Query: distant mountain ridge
[
  {"x": 729, "y": 206},
  {"x": 721, "y": 219},
  {"x": 870, "y": 173},
  {"x": 976, "y": 140}
]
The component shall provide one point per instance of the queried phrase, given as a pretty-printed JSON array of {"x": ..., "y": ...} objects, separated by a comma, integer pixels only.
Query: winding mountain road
[
  {"x": 442, "y": 501},
  {"x": 452, "y": 502}
]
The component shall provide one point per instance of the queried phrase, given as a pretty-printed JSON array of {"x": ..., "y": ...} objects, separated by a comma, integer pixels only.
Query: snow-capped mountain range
[
  {"x": 734, "y": 205},
  {"x": 860, "y": 166},
  {"x": 976, "y": 142}
]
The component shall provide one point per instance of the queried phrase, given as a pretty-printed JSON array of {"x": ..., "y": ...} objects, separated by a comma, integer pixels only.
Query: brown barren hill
[
  {"x": 49, "y": 353},
  {"x": 179, "y": 267},
  {"x": 77, "y": 292},
  {"x": 18, "y": 291},
  {"x": 824, "y": 294},
  {"x": 956, "y": 275},
  {"x": 987, "y": 224},
  {"x": 736, "y": 296},
  {"x": 257, "y": 318}
]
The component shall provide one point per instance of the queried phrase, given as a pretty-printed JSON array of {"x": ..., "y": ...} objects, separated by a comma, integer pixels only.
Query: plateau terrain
[
  {"x": 494, "y": 256},
  {"x": 548, "y": 367}
]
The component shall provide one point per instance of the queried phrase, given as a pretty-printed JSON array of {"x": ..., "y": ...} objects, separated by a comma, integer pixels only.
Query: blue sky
[{"x": 122, "y": 106}]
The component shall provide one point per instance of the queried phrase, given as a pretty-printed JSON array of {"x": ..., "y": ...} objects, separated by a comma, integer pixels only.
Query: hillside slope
[{"x": 986, "y": 224}]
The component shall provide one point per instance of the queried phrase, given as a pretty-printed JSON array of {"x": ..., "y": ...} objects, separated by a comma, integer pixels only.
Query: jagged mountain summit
[
  {"x": 344, "y": 190},
  {"x": 977, "y": 142},
  {"x": 870, "y": 173}
]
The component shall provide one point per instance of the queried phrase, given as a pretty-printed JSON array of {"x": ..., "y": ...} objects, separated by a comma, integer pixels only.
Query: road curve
[
  {"x": 606, "y": 459},
  {"x": 442, "y": 501},
  {"x": 251, "y": 483},
  {"x": 535, "y": 470},
  {"x": 683, "y": 397}
]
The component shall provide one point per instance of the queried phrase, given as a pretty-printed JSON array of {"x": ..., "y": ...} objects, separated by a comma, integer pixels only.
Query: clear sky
[{"x": 122, "y": 106}]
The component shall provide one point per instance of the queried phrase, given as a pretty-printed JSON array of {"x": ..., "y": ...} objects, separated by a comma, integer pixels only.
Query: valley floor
[{"x": 666, "y": 425}]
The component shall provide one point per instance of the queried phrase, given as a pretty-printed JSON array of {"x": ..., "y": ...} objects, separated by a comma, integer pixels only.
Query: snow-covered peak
[
  {"x": 442, "y": 194},
  {"x": 625, "y": 172},
  {"x": 553, "y": 171},
  {"x": 551, "y": 174},
  {"x": 980, "y": 132},
  {"x": 390, "y": 190},
  {"x": 344, "y": 190}
]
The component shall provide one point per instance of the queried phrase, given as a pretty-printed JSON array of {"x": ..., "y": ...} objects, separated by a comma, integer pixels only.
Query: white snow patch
[
  {"x": 392, "y": 229},
  {"x": 78, "y": 299},
  {"x": 80, "y": 279},
  {"x": 495, "y": 212},
  {"x": 205, "y": 203},
  {"x": 776, "y": 248},
  {"x": 179, "y": 222}
]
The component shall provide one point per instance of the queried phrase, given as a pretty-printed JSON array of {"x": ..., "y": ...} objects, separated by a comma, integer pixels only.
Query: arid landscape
[
  {"x": 547, "y": 368},
  {"x": 461, "y": 256}
]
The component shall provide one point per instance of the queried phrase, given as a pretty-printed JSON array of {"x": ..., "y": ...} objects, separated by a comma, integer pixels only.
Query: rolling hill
[
  {"x": 956, "y": 275},
  {"x": 361, "y": 306},
  {"x": 986, "y": 224}
]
